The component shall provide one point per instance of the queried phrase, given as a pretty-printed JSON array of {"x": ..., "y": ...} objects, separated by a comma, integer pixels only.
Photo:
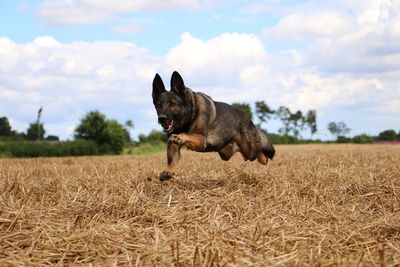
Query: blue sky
[{"x": 71, "y": 56}]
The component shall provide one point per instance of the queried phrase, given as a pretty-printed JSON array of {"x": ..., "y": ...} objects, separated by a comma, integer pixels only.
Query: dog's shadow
[
  {"x": 227, "y": 184},
  {"x": 201, "y": 184}
]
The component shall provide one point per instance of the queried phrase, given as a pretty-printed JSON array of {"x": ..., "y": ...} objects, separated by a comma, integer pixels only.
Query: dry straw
[{"x": 318, "y": 205}]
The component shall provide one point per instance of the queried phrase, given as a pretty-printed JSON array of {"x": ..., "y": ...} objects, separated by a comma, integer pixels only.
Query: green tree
[
  {"x": 292, "y": 122},
  {"x": 153, "y": 137},
  {"x": 283, "y": 113},
  {"x": 388, "y": 135},
  {"x": 398, "y": 136},
  {"x": 311, "y": 121},
  {"x": 93, "y": 126},
  {"x": 343, "y": 140},
  {"x": 128, "y": 126},
  {"x": 52, "y": 138},
  {"x": 263, "y": 112},
  {"x": 245, "y": 107},
  {"x": 362, "y": 139},
  {"x": 108, "y": 134},
  {"x": 5, "y": 127},
  {"x": 297, "y": 123},
  {"x": 35, "y": 131},
  {"x": 332, "y": 128},
  {"x": 117, "y": 136},
  {"x": 338, "y": 129}
]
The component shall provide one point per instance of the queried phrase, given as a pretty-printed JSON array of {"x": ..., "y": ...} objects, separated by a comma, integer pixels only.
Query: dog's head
[{"x": 172, "y": 106}]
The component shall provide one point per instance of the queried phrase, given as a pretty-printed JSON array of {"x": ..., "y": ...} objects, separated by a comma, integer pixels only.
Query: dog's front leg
[
  {"x": 173, "y": 156},
  {"x": 196, "y": 142}
]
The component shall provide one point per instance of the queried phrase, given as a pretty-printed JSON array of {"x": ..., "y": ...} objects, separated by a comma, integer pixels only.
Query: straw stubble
[{"x": 313, "y": 204}]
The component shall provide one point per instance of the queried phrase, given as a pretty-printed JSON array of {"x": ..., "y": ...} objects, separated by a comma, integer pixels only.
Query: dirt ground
[{"x": 313, "y": 205}]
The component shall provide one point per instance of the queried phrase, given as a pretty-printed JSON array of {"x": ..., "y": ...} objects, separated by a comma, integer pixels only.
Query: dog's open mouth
[{"x": 168, "y": 127}]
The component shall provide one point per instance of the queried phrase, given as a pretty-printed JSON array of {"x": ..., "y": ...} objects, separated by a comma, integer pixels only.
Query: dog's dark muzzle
[
  {"x": 168, "y": 125},
  {"x": 162, "y": 119}
]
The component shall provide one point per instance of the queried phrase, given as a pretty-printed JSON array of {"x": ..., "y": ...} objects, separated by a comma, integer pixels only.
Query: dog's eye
[{"x": 172, "y": 104}]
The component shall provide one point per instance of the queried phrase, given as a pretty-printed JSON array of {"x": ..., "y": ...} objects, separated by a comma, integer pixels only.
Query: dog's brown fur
[{"x": 201, "y": 124}]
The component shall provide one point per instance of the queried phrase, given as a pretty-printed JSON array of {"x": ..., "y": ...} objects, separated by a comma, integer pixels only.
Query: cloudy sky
[{"x": 340, "y": 57}]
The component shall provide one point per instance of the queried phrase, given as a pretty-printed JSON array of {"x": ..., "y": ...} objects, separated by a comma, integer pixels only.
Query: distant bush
[
  {"x": 14, "y": 138},
  {"x": 146, "y": 148},
  {"x": 49, "y": 149},
  {"x": 153, "y": 137},
  {"x": 117, "y": 137},
  {"x": 282, "y": 139},
  {"x": 109, "y": 135},
  {"x": 343, "y": 140},
  {"x": 388, "y": 135},
  {"x": 52, "y": 138},
  {"x": 363, "y": 139}
]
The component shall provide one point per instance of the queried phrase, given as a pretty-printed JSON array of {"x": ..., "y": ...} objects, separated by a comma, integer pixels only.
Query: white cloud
[
  {"x": 132, "y": 27},
  {"x": 254, "y": 75},
  {"x": 255, "y": 8},
  {"x": 8, "y": 54},
  {"x": 219, "y": 59},
  {"x": 68, "y": 79},
  {"x": 392, "y": 107},
  {"x": 7, "y": 95},
  {"x": 46, "y": 41},
  {"x": 68, "y": 12},
  {"x": 302, "y": 26},
  {"x": 138, "y": 5},
  {"x": 361, "y": 37},
  {"x": 340, "y": 90},
  {"x": 92, "y": 11},
  {"x": 75, "y": 67},
  {"x": 107, "y": 73},
  {"x": 240, "y": 65}
]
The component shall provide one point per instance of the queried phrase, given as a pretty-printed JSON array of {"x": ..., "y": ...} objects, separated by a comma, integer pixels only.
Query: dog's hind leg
[
  {"x": 249, "y": 142},
  {"x": 227, "y": 151}
]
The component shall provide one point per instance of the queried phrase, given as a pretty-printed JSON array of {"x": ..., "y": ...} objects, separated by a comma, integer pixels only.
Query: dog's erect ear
[
  {"x": 177, "y": 84},
  {"x": 158, "y": 86}
]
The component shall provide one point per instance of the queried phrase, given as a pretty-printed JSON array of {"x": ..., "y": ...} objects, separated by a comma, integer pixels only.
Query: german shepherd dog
[{"x": 193, "y": 119}]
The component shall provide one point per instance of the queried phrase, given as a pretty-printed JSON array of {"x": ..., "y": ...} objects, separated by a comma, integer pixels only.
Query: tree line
[
  {"x": 293, "y": 123},
  {"x": 296, "y": 122},
  {"x": 96, "y": 134}
]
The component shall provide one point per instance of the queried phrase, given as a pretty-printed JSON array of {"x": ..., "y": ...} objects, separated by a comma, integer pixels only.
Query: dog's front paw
[
  {"x": 174, "y": 138},
  {"x": 165, "y": 175}
]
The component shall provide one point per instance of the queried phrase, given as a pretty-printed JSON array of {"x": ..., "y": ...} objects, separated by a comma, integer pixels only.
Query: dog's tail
[{"x": 267, "y": 147}]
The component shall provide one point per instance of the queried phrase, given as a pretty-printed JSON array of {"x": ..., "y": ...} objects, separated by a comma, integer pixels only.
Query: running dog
[{"x": 194, "y": 120}]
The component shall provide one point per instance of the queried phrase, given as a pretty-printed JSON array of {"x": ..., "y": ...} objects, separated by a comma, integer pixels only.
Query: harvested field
[{"x": 313, "y": 205}]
